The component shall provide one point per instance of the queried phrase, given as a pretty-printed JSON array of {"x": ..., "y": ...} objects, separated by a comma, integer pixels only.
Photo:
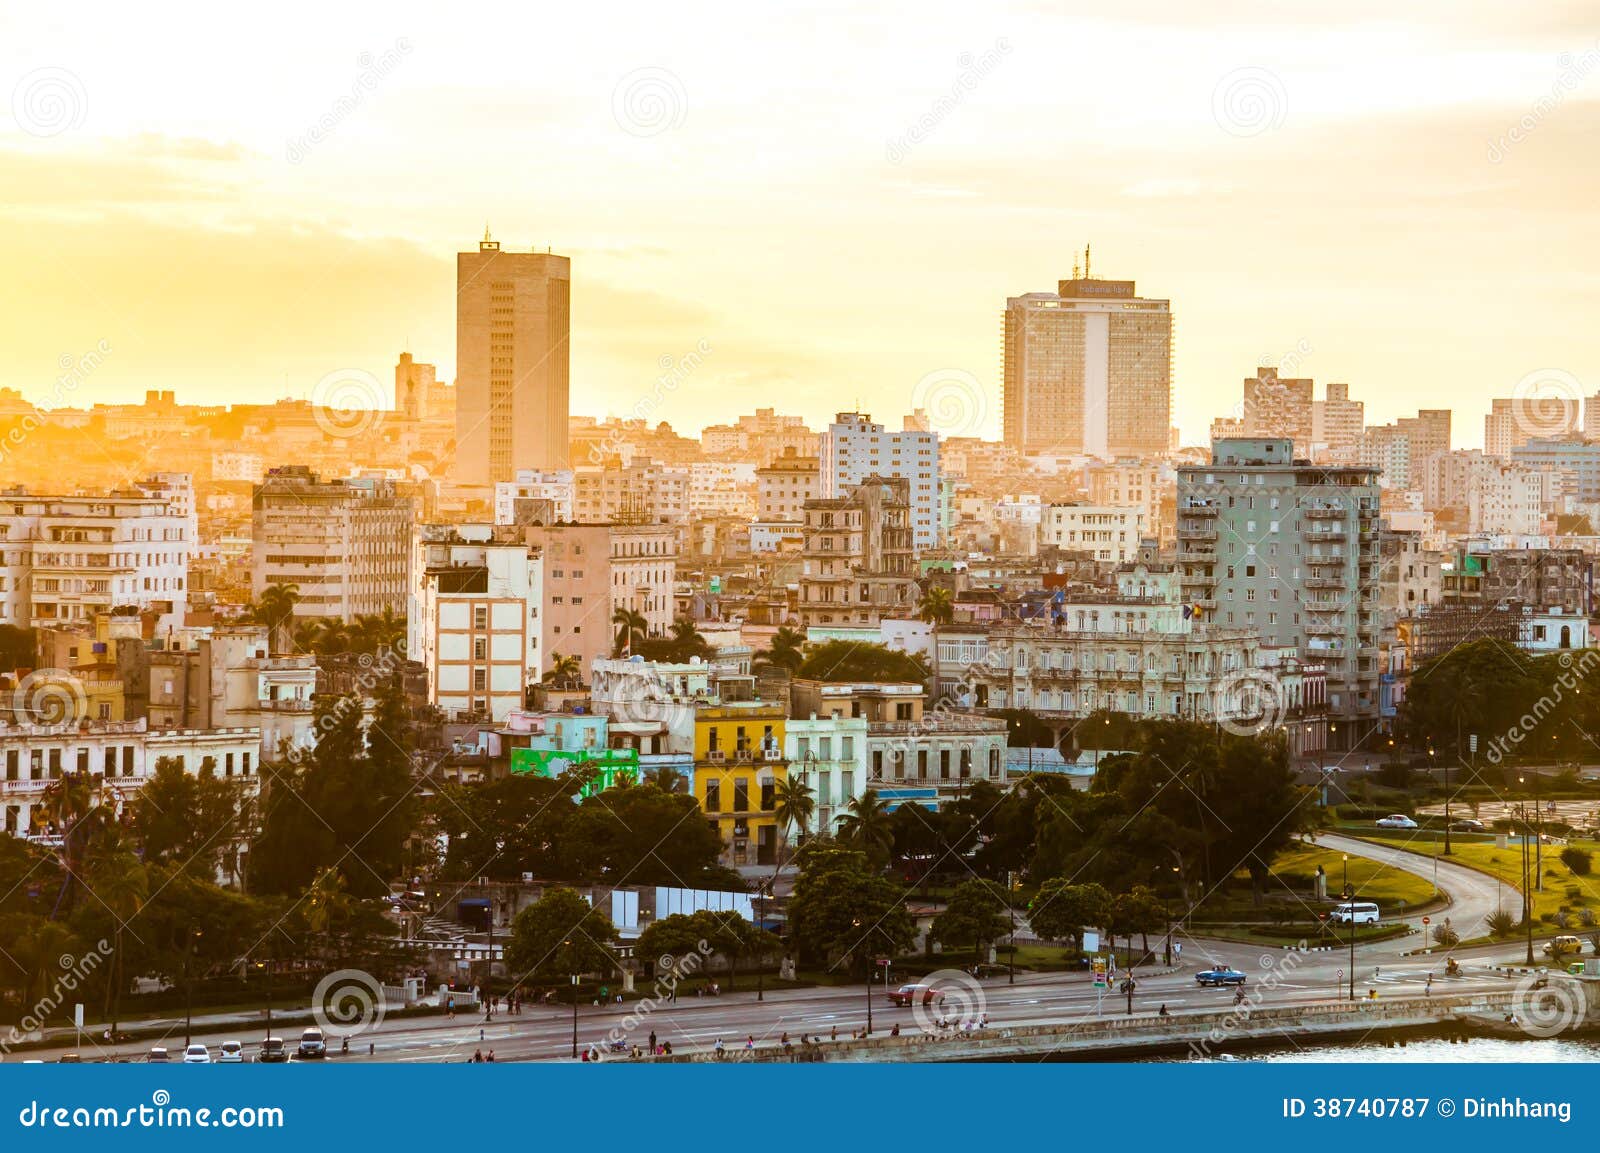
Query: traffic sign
[{"x": 1426, "y": 921}]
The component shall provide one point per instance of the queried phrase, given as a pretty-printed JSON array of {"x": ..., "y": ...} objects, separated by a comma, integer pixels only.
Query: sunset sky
[{"x": 1404, "y": 204}]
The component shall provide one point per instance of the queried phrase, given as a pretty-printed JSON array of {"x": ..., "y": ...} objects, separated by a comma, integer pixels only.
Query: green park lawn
[
  {"x": 1506, "y": 864},
  {"x": 1296, "y": 867}
]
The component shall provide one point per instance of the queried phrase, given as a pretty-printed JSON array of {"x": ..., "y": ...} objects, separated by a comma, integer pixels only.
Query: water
[{"x": 1436, "y": 1050}]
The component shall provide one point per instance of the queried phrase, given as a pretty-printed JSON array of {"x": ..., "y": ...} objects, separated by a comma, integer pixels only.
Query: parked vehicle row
[{"x": 313, "y": 1046}]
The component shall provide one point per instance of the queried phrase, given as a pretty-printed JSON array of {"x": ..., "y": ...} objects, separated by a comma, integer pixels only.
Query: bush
[
  {"x": 1501, "y": 923},
  {"x": 1446, "y": 936},
  {"x": 1578, "y": 860}
]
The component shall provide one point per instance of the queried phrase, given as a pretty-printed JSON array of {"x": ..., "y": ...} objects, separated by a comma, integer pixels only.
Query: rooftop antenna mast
[{"x": 1086, "y": 273}]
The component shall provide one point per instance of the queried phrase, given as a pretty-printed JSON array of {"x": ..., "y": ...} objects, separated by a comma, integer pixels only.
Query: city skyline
[{"x": 1404, "y": 182}]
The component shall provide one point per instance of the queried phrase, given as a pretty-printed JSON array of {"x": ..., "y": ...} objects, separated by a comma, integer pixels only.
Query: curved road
[{"x": 1474, "y": 895}]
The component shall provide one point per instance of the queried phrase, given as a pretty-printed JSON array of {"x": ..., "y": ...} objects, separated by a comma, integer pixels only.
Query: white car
[
  {"x": 197, "y": 1054},
  {"x": 1396, "y": 821},
  {"x": 231, "y": 1053}
]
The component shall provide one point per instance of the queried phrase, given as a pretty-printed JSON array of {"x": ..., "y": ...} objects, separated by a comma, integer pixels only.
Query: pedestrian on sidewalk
[{"x": 652, "y": 1040}]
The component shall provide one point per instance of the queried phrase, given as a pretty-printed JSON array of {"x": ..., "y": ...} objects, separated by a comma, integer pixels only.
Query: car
[
  {"x": 1224, "y": 975},
  {"x": 1561, "y": 946},
  {"x": 312, "y": 1046},
  {"x": 1468, "y": 825},
  {"x": 1396, "y": 821},
  {"x": 157, "y": 1055},
  {"x": 230, "y": 1053},
  {"x": 70, "y": 1059},
  {"x": 197, "y": 1054},
  {"x": 273, "y": 1051},
  {"x": 915, "y": 994},
  {"x": 1356, "y": 912}
]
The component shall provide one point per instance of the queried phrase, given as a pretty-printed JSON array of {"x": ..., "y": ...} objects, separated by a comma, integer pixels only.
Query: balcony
[
  {"x": 1319, "y": 513},
  {"x": 1326, "y": 534},
  {"x": 1198, "y": 552},
  {"x": 1205, "y": 533},
  {"x": 1323, "y": 583},
  {"x": 1199, "y": 510},
  {"x": 1323, "y": 606},
  {"x": 1325, "y": 629}
]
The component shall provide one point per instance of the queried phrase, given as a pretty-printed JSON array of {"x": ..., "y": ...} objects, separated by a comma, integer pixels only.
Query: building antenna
[
  {"x": 1086, "y": 273},
  {"x": 486, "y": 231},
  {"x": 1076, "y": 267}
]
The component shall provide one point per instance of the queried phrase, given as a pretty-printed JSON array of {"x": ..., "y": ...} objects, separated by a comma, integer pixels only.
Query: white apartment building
[
  {"x": 784, "y": 486},
  {"x": 722, "y": 488},
  {"x": 345, "y": 544},
  {"x": 1132, "y": 484},
  {"x": 830, "y": 755},
  {"x": 123, "y": 753},
  {"x": 1108, "y": 532},
  {"x": 638, "y": 492},
  {"x": 475, "y": 619},
  {"x": 237, "y": 467},
  {"x": 644, "y": 570},
  {"x": 854, "y": 448},
  {"x": 65, "y": 559},
  {"x": 1508, "y": 499},
  {"x": 534, "y": 496}
]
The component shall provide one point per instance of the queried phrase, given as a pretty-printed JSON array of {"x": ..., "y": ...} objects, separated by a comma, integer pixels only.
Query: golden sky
[{"x": 835, "y": 200}]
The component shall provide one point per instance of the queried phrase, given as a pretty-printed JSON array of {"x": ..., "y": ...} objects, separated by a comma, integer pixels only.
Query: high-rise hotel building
[
  {"x": 512, "y": 362},
  {"x": 1088, "y": 369}
]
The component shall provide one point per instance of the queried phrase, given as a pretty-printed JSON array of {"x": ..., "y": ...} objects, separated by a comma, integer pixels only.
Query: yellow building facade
[{"x": 738, "y": 764}]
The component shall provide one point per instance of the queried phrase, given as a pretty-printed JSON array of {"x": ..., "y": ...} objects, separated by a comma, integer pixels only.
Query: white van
[{"x": 1360, "y": 912}]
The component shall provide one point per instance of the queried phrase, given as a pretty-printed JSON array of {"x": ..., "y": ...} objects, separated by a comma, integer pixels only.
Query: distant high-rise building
[
  {"x": 1088, "y": 369},
  {"x": 414, "y": 387},
  {"x": 1279, "y": 406},
  {"x": 1514, "y": 421},
  {"x": 512, "y": 362},
  {"x": 854, "y": 448},
  {"x": 1337, "y": 422},
  {"x": 344, "y": 544},
  {"x": 1591, "y": 418}
]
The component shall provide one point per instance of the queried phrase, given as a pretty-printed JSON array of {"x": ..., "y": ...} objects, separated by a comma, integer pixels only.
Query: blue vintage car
[{"x": 1222, "y": 976}]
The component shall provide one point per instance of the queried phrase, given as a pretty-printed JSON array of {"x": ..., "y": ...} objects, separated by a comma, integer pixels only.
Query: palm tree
[
  {"x": 275, "y": 609},
  {"x": 79, "y": 807},
  {"x": 564, "y": 670},
  {"x": 686, "y": 641},
  {"x": 375, "y": 632},
  {"x": 631, "y": 629},
  {"x": 666, "y": 778},
  {"x": 122, "y": 885},
  {"x": 332, "y": 636},
  {"x": 305, "y": 636},
  {"x": 793, "y": 803},
  {"x": 785, "y": 652},
  {"x": 327, "y": 903},
  {"x": 938, "y": 606},
  {"x": 865, "y": 825}
]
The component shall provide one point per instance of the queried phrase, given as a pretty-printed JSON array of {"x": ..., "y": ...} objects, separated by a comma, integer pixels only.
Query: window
[
  {"x": 713, "y": 796},
  {"x": 767, "y": 791},
  {"x": 480, "y": 616},
  {"x": 741, "y": 795}
]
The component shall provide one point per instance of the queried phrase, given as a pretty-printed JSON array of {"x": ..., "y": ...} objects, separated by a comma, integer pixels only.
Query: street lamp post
[
  {"x": 1527, "y": 888},
  {"x": 567, "y": 945},
  {"x": 1350, "y": 911},
  {"x": 855, "y": 922},
  {"x": 761, "y": 917},
  {"x": 188, "y": 986},
  {"x": 266, "y": 969}
]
